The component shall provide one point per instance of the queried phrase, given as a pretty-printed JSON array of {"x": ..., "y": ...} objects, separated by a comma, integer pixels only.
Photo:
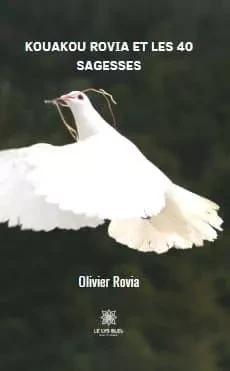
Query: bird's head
[
  {"x": 74, "y": 99},
  {"x": 87, "y": 119}
]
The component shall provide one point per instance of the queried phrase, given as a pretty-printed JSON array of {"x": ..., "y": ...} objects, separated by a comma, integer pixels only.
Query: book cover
[{"x": 78, "y": 299}]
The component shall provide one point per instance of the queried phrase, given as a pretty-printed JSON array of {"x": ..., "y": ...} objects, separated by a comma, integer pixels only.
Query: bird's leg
[{"x": 146, "y": 216}]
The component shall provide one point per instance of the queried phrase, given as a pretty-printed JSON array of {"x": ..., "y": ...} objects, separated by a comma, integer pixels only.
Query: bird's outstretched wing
[
  {"x": 104, "y": 176},
  {"x": 43, "y": 187},
  {"x": 20, "y": 205}
]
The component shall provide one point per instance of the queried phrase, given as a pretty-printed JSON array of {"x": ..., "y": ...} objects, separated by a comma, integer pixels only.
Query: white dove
[{"x": 103, "y": 176}]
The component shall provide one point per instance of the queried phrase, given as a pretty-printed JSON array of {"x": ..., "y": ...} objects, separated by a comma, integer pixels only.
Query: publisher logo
[
  {"x": 108, "y": 326},
  {"x": 108, "y": 317}
]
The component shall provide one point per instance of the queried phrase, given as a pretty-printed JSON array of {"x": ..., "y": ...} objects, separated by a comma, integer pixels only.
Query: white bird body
[{"x": 102, "y": 177}]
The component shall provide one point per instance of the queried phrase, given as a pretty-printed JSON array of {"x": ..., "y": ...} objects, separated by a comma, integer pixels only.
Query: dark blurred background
[{"x": 176, "y": 109}]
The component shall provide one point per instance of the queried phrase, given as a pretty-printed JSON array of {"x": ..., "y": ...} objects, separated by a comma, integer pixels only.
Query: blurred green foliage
[{"x": 177, "y": 111}]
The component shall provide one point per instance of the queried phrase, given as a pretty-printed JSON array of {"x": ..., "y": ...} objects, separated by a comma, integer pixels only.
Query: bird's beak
[{"x": 62, "y": 100}]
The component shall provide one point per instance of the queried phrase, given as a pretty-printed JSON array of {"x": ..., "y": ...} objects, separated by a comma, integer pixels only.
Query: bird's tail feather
[{"x": 186, "y": 220}]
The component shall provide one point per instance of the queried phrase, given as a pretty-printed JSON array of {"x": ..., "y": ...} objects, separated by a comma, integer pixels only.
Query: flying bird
[{"x": 103, "y": 176}]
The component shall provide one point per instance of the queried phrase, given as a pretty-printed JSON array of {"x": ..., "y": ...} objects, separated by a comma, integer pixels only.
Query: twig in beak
[
  {"x": 73, "y": 132},
  {"x": 107, "y": 96}
]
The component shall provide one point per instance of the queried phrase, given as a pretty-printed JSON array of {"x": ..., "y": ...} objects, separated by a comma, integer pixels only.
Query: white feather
[
  {"x": 19, "y": 205},
  {"x": 186, "y": 220}
]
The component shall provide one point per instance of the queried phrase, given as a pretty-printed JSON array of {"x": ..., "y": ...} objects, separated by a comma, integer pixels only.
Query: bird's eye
[{"x": 80, "y": 96}]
